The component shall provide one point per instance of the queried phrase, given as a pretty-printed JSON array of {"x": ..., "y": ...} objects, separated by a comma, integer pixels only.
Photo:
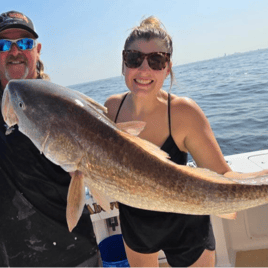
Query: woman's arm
[{"x": 192, "y": 132}]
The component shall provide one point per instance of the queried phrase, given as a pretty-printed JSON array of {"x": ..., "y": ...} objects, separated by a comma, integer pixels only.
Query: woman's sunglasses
[
  {"x": 23, "y": 44},
  {"x": 156, "y": 60}
]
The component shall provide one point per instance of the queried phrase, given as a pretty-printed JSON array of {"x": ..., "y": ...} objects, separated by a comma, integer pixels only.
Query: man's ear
[{"x": 39, "y": 47}]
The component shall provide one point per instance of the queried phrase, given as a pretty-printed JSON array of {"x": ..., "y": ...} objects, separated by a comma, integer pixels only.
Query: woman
[{"x": 178, "y": 126}]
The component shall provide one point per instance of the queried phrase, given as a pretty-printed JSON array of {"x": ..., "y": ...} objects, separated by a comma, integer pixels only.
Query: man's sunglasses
[
  {"x": 23, "y": 44},
  {"x": 156, "y": 60}
]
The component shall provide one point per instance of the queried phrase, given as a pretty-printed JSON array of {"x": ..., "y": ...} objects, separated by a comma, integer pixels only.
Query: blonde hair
[
  {"x": 151, "y": 28},
  {"x": 40, "y": 71}
]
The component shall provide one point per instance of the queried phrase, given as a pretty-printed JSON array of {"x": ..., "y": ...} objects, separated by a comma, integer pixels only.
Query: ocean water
[{"x": 232, "y": 91}]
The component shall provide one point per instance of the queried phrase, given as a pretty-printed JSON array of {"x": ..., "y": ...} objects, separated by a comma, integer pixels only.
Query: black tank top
[
  {"x": 169, "y": 146},
  {"x": 182, "y": 237}
]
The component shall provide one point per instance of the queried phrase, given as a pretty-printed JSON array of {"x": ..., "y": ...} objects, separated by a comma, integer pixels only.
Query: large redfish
[{"x": 67, "y": 127}]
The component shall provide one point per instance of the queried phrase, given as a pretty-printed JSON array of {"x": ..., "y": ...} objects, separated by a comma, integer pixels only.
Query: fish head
[{"x": 39, "y": 113}]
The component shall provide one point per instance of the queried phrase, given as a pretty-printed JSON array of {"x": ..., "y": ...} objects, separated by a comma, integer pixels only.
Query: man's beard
[
  {"x": 8, "y": 77},
  {"x": 12, "y": 58}
]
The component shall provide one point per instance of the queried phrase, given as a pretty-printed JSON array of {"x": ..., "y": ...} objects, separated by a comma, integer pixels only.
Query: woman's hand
[{"x": 241, "y": 176}]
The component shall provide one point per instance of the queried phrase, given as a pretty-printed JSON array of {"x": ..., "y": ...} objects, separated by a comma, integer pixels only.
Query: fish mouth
[{"x": 7, "y": 110}]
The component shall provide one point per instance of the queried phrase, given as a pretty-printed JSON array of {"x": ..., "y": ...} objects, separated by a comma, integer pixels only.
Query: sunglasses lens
[
  {"x": 25, "y": 43},
  {"x": 133, "y": 59},
  {"x": 157, "y": 61},
  {"x": 4, "y": 45}
]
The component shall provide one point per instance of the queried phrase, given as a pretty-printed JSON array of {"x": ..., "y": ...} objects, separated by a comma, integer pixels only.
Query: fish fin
[
  {"x": 253, "y": 180},
  {"x": 75, "y": 199},
  {"x": 211, "y": 176},
  {"x": 147, "y": 146},
  {"x": 204, "y": 174},
  {"x": 92, "y": 102},
  {"x": 101, "y": 199},
  {"x": 133, "y": 127},
  {"x": 198, "y": 173},
  {"x": 231, "y": 216}
]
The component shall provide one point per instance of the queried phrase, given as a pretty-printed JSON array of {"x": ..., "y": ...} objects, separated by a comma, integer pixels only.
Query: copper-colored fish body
[{"x": 68, "y": 128}]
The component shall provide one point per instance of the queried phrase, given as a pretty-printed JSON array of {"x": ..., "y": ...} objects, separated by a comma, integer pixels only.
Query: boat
[{"x": 239, "y": 243}]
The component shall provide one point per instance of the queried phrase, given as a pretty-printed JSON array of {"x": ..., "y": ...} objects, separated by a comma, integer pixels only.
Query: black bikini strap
[
  {"x": 120, "y": 107},
  {"x": 169, "y": 121}
]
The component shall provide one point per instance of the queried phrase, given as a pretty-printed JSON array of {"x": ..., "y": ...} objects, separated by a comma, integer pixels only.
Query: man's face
[{"x": 16, "y": 63}]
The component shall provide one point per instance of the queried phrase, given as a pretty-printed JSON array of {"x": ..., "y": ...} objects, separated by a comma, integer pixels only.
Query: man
[{"x": 33, "y": 191}]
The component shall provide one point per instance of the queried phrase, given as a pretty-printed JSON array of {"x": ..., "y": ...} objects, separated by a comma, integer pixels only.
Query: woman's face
[{"x": 144, "y": 80}]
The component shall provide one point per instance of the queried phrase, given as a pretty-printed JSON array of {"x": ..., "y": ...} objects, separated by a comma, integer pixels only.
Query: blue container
[{"x": 113, "y": 252}]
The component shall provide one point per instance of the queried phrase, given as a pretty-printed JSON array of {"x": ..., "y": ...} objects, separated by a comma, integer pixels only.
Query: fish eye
[{"x": 21, "y": 105}]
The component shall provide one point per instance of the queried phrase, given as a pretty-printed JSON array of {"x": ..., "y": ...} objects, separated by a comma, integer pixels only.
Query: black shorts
[{"x": 183, "y": 238}]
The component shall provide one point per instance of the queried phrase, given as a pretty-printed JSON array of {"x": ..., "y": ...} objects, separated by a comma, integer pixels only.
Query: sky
[{"x": 82, "y": 40}]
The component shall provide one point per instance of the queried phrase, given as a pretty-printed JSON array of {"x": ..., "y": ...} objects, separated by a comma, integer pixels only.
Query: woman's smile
[{"x": 143, "y": 81}]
